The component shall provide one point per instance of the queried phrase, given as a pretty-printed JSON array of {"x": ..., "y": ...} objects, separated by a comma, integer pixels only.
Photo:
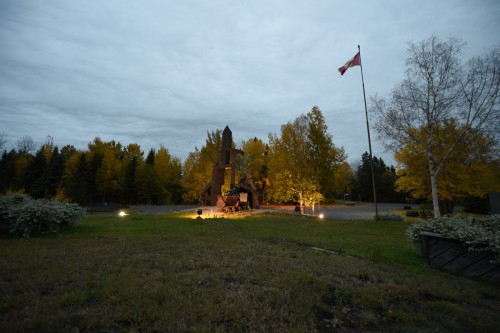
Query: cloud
[{"x": 164, "y": 72}]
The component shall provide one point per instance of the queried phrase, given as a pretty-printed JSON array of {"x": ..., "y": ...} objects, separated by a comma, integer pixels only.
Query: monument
[{"x": 241, "y": 195}]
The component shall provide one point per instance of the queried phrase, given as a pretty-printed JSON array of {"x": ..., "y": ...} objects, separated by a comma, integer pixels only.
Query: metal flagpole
[{"x": 369, "y": 140}]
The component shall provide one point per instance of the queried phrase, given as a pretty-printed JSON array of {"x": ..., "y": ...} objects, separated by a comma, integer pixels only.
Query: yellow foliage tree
[{"x": 470, "y": 170}]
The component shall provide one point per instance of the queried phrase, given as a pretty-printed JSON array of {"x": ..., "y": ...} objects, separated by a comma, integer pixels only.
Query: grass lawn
[{"x": 261, "y": 273}]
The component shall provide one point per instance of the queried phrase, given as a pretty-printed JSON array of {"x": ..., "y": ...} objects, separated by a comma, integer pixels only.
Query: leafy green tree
[
  {"x": 197, "y": 169},
  {"x": 168, "y": 171},
  {"x": 325, "y": 157},
  {"x": 108, "y": 177},
  {"x": 68, "y": 151},
  {"x": 343, "y": 180},
  {"x": 95, "y": 157},
  {"x": 301, "y": 160},
  {"x": 255, "y": 161}
]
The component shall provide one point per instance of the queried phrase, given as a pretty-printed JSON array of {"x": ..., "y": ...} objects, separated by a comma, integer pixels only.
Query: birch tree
[
  {"x": 439, "y": 88},
  {"x": 470, "y": 170}
]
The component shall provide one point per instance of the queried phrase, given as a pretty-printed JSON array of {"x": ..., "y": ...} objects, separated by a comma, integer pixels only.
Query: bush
[
  {"x": 6, "y": 203},
  {"x": 476, "y": 234},
  {"x": 26, "y": 216}
]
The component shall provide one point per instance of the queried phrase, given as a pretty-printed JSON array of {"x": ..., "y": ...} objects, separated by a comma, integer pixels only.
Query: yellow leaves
[{"x": 469, "y": 169}]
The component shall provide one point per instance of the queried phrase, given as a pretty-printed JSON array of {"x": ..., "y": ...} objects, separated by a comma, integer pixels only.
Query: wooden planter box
[{"x": 447, "y": 253}]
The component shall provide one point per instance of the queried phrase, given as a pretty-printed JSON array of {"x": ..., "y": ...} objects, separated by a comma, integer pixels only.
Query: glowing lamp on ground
[
  {"x": 321, "y": 216},
  {"x": 122, "y": 213}
]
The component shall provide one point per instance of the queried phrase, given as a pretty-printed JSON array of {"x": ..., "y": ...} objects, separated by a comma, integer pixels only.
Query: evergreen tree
[
  {"x": 8, "y": 177},
  {"x": 133, "y": 158},
  {"x": 148, "y": 188},
  {"x": 129, "y": 186},
  {"x": 34, "y": 172},
  {"x": 385, "y": 179},
  {"x": 78, "y": 185},
  {"x": 52, "y": 177}
]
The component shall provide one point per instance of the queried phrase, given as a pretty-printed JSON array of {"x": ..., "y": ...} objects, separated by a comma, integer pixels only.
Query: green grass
[{"x": 169, "y": 273}]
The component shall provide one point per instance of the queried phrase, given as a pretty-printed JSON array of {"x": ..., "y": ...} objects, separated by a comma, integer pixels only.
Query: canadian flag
[{"x": 355, "y": 61}]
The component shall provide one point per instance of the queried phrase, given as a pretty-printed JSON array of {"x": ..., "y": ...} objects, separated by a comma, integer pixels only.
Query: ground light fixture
[
  {"x": 321, "y": 216},
  {"x": 122, "y": 213}
]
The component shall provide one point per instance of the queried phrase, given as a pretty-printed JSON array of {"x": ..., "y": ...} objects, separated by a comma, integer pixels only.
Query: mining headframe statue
[{"x": 241, "y": 196}]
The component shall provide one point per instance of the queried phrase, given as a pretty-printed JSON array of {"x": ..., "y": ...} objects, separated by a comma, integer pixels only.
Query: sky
[{"x": 161, "y": 72}]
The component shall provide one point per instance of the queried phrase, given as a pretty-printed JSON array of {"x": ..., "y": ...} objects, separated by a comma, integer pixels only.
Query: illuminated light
[
  {"x": 122, "y": 213},
  {"x": 321, "y": 216}
]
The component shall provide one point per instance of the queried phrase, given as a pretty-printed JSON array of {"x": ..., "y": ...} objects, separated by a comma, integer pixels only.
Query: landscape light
[
  {"x": 321, "y": 216},
  {"x": 122, "y": 213}
]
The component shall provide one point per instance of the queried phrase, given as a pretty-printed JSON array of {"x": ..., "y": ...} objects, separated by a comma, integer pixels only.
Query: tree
[
  {"x": 343, "y": 179},
  {"x": 146, "y": 181},
  {"x": 133, "y": 159},
  {"x": 26, "y": 145},
  {"x": 8, "y": 171},
  {"x": 34, "y": 172},
  {"x": 469, "y": 171},
  {"x": 255, "y": 161},
  {"x": 68, "y": 151},
  {"x": 78, "y": 186},
  {"x": 168, "y": 171},
  {"x": 325, "y": 157},
  {"x": 438, "y": 88},
  {"x": 94, "y": 159},
  {"x": 53, "y": 175},
  {"x": 197, "y": 169},
  {"x": 385, "y": 179},
  {"x": 301, "y": 160},
  {"x": 109, "y": 175},
  {"x": 3, "y": 140}
]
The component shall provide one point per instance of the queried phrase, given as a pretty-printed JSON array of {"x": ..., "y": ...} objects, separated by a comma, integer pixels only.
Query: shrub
[
  {"x": 26, "y": 216},
  {"x": 6, "y": 203},
  {"x": 476, "y": 234}
]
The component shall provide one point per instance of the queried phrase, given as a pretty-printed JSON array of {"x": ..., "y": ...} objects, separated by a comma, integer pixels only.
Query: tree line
[
  {"x": 299, "y": 165},
  {"x": 105, "y": 172}
]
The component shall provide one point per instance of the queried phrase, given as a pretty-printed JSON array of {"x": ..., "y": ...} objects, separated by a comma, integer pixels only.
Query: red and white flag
[{"x": 355, "y": 61}]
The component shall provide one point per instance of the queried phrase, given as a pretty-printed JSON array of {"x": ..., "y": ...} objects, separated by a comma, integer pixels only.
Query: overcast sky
[{"x": 166, "y": 72}]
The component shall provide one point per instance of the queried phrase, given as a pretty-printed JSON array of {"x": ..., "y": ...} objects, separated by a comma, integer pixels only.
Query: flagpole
[{"x": 369, "y": 140}]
